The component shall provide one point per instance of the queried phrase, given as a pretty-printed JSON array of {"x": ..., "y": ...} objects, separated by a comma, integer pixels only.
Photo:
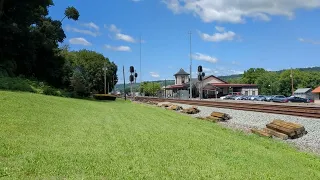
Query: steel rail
[{"x": 303, "y": 111}]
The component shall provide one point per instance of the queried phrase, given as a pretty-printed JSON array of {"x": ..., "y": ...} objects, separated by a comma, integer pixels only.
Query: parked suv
[{"x": 280, "y": 98}]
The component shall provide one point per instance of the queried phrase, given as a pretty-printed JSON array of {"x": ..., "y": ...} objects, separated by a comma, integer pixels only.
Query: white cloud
[
  {"x": 113, "y": 28},
  {"x": 125, "y": 37},
  {"x": 235, "y": 11},
  {"x": 79, "y": 41},
  {"x": 217, "y": 37},
  {"x": 154, "y": 74},
  {"x": 206, "y": 69},
  {"x": 225, "y": 72},
  {"x": 118, "y": 35},
  {"x": 136, "y": 0},
  {"x": 118, "y": 48},
  {"x": 82, "y": 31},
  {"x": 203, "y": 57},
  {"x": 92, "y": 26},
  {"x": 235, "y": 63},
  {"x": 310, "y": 41},
  {"x": 219, "y": 28}
]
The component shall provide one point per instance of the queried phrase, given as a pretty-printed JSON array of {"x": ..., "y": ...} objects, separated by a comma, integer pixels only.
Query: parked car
[
  {"x": 252, "y": 98},
  {"x": 225, "y": 97},
  {"x": 247, "y": 97},
  {"x": 268, "y": 98},
  {"x": 231, "y": 97},
  {"x": 279, "y": 98},
  {"x": 298, "y": 99},
  {"x": 239, "y": 98},
  {"x": 310, "y": 100},
  {"x": 259, "y": 98}
]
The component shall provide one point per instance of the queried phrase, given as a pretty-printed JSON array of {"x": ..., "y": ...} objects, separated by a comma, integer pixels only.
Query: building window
[
  {"x": 246, "y": 93},
  {"x": 253, "y": 93},
  {"x": 182, "y": 80}
]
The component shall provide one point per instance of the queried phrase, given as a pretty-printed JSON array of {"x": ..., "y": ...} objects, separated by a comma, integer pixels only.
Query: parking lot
[{"x": 235, "y": 99}]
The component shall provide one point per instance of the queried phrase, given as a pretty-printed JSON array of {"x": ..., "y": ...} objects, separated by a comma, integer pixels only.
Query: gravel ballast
[{"x": 244, "y": 120}]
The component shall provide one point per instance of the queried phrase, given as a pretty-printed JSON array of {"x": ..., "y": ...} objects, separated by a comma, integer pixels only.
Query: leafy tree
[
  {"x": 79, "y": 82},
  {"x": 150, "y": 88},
  {"x": 268, "y": 83},
  {"x": 71, "y": 13},
  {"x": 30, "y": 41},
  {"x": 92, "y": 63},
  {"x": 251, "y": 75}
]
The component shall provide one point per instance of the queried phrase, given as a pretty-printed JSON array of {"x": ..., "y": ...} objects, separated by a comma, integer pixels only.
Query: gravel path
[{"x": 244, "y": 120}]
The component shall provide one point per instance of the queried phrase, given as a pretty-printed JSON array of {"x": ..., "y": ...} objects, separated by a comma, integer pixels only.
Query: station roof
[
  {"x": 233, "y": 85},
  {"x": 302, "y": 90},
  {"x": 181, "y": 72},
  {"x": 316, "y": 90}
]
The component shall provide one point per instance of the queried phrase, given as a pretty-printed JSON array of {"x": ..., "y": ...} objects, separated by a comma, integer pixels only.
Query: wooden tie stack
[
  {"x": 220, "y": 116},
  {"x": 174, "y": 108},
  {"x": 192, "y": 110},
  {"x": 216, "y": 117},
  {"x": 282, "y": 129}
]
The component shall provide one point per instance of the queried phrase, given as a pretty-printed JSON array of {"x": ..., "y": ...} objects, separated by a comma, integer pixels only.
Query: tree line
[
  {"x": 271, "y": 83},
  {"x": 29, "y": 47}
]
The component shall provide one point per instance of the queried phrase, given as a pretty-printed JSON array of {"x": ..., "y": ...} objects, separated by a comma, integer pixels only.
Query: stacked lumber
[
  {"x": 216, "y": 117},
  {"x": 292, "y": 130},
  {"x": 192, "y": 110},
  {"x": 174, "y": 108},
  {"x": 261, "y": 133},
  {"x": 220, "y": 116},
  {"x": 281, "y": 129}
]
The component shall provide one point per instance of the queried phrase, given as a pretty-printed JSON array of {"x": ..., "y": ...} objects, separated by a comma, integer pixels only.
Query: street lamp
[
  {"x": 105, "y": 68},
  {"x": 270, "y": 88}
]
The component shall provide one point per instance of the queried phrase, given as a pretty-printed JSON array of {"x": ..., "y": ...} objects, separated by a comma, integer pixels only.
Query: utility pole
[
  {"x": 140, "y": 65},
  {"x": 105, "y": 77},
  {"x": 292, "y": 89},
  {"x": 165, "y": 88},
  {"x": 152, "y": 88},
  {"x": 124, "y": 85},
  {"x": 190, "y": 82}
]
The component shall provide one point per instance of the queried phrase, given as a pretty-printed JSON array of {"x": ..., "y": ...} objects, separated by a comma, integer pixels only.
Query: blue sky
[{"x": 228, "y": 36}]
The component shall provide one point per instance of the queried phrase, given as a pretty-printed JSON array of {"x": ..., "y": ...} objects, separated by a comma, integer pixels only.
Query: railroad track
[{"x": 303, "y": 111}]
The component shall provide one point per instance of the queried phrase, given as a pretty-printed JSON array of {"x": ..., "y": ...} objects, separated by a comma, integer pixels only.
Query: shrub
[
  {"x": 15, "y": 84},
  {"x": 51, "y": 91},
  {"x": 79, "y": 83},
  {"x": 104, "y": 97}
]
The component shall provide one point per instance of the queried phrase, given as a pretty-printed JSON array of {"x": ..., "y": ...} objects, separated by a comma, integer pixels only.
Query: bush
[
  {"x": 51, "y": 91},
  {"x": 15, "y": 84},
  {"x": 104, "y": 97}
]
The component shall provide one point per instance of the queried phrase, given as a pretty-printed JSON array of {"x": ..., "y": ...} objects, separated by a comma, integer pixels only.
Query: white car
[{"x": 224, "y": 97}]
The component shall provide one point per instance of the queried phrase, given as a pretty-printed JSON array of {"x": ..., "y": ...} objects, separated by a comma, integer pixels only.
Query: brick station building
[{"x": 211, "y": 86}]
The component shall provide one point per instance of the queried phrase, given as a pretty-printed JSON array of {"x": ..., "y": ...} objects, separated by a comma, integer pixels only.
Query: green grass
[{"x": 47, "y": 137}]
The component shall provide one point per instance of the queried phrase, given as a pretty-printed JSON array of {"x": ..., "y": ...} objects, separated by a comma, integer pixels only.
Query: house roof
[
  {"x": 302, "y": 90},
  {"x": 195, "y": 80},
  {"x": 181, "y": 72},
  {"x": 233, "y": 85},
  {"x": 316, "y": 90}
]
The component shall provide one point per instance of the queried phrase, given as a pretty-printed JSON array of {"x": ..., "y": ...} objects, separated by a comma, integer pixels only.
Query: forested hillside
[{"x": 29, "y": 49}]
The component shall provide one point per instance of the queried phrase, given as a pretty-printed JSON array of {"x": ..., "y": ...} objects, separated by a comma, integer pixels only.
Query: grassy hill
[{"x": 47, "y": 137}]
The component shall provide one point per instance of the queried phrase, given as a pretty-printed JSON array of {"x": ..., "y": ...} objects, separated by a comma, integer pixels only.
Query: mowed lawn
[{"x": 45, "y": 137}]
